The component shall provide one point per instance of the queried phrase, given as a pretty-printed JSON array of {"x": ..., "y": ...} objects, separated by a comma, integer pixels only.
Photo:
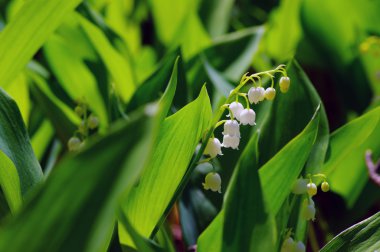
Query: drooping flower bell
[
  {"x": 300, "y": 186},
  {"x": 74, "y": 144},
  {"x": 232, "y": 128},
  {"x": 270, "y": 93},
  {"x": 213, "y": 148},
  {"x": 284, "y": 84},
  {"x": 236, "y": 108},
  {"x": 299, "y": 247},
  {"x": 308, "y": 209},
  {"x": 213, "y": 182},
  {"x": 231, "y": 142},
  {"x": 92, "y": 122},
  {"x": 248, "y": 116},
  {"x": 325, "y": 186},
  {"x": 256, "y": 94},
  {"x": 312, "y": 189},
  {"x": 288, "y": 245}
]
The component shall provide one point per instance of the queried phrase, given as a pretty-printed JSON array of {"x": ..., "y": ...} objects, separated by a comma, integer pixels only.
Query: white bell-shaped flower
[
  {"x": 231, "y": 142},
  {"x": 270, "y": 93},
  {"x": 311, "y": 189},
  {"x": 284, "y": 84},
  {"x": 232, "y": 128},
  {"x": 256, "y": 94},
  {"x": 288, "y": 245},
  {"x": 213, "y": 147},
  {"x": 213, "y": 182},
  {"x": 299, "y": 247},
  {"x": 236, "y": 108},
  {"x": 300, "y": 186},
  {"x": 74, "y": 144},
  {"x": 308, "y": 209},
  {"x": 248, "y": 116}
]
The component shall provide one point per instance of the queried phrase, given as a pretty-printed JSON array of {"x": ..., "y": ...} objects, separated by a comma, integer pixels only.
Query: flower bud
[
  {"x": 288, "y": 245},
  {"x": 213, "y": 147},
  {"x": 236, "y": 108},
  {"x": 284, "y": 84},
  {"x": 308, "y": 209},
  {"x": 82, "y": 127},
  {"x": 231, "y": 142},
  {"x": 325, "y": 186},
  {"x": 79, "y": 111},
  {"x": 299, "y": 247},
  {"x": 213, "y": 182},
  {"x": 92, "y": 122},
  {"x": 256, "y": 95},
  {"x": 248, "y": 116},
  {"x": 311, "y": 189},
  {"x": 270, "y": 93},
  {"x": 74, "y": 144},
  {"x": 300, "y": 186},
  {"x": 231, "y": 127}
]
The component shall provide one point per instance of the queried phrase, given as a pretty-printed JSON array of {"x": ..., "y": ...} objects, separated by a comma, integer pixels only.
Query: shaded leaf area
[
  {"x": 345, "y": 166},
  {"x": 277, "y": 177},
  {"x": 151, "y": 88},
  {"x": 15, "y": 144},
  {"x": 177, "y": 140},
  {"x": 84, "y": 190},
  {"x": 26, "y": 33},
  {"x": 363, "y": 236},
  {"x": 289, "y": 114}
]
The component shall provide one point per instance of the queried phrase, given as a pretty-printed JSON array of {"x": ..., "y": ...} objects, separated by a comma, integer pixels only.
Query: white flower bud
[
  {"x": 256, "y": 95},
  {"x": 300, "y": 186},
  {"x": 299, "y": 247},
  {"x": 213, "y": 147},
  {"x": 308, "y": 209},
  {"x": 74, "y": 144},
  {"x": 248, "y": 116},
  {"x": 93, "y": 122},
  {"x": 231, "y": 127},
  {"x": 311, "y": 189},
  {"x": 288, "y": 245},
  {"x": 231, "y": 142},
  {"x": 325, "y": 186},
  {"x": 236, "y": 109},
  {"x": 213, "y": 182},
  {"x": 270, "y": 93},
  {"x": 284, "y": 84}
]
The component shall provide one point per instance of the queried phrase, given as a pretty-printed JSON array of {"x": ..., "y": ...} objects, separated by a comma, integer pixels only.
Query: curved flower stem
[{"x": 245, "y": 97}]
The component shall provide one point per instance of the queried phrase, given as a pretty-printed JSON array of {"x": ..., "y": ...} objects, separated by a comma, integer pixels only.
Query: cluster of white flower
[
  {"x": 238, "y": 115},
  {"x": 306, "y": 186},
  {"x": 88, "y": 123},
  {"x": 289, "y": 245}
]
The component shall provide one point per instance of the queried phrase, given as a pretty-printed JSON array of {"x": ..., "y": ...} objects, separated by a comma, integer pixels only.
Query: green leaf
[
  {"x": 177, "y": 140},
  {"x": 361, "y": 237},
  {"x": 216, "y": 15},
  {"x": 61, "y": 116},
  {"x": 42, "y": 138},
  {"x": 119, "y": 68},
  {"x": 14, "y": 142},
  {"x": 26, "y": 33},
  {"x": 288, "y": 116},
  {"x": 345, "y": 167},
  {"x": 84, "y": 189}
]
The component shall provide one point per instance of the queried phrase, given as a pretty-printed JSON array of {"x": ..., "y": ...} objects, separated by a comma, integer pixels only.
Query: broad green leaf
[
  {"x": 277, "y": 177},
  {"x": 216, "y": 15},
  {"x": 156, "y": 83},
  {"x": 119, "y": 67},
  {"x": 26, "y": 33},
  {"x": 84, "y": 189},
  {"x": 61, "y": 116},
  {"x": 288, "y": 116},
  {"x": 284, "y": 31},
  {"x": 345, "y": 166},
  {"x": 42, "y": 138},
  {"x": 14, "y": 142},
  {"x": 178, "y": 137},
  {"x": 10, "y": 183},
  {"x": 74, "y": 76},
  {"x": 361, "y": 237}
]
